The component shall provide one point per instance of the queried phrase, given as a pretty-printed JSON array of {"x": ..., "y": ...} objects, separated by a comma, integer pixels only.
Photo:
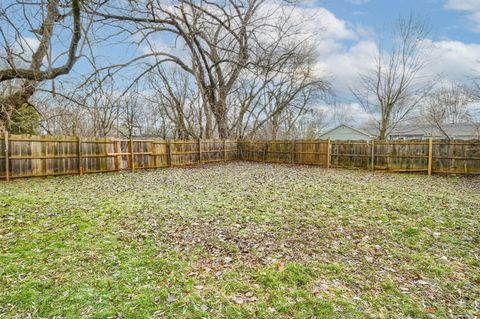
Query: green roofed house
[{"x": 346, "y": 133}]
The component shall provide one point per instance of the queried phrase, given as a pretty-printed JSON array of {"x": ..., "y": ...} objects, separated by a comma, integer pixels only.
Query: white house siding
[{"x": 344, "y": 133}]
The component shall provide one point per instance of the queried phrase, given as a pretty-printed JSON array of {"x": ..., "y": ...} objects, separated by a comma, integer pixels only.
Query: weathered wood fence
[
  {"x": 430, "y": 156},
  {"x": 30, "y": 156}
]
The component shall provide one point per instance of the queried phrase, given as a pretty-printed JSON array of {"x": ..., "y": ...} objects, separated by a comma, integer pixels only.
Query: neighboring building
[
  {"x": 345, "y": 133},
  {"x": 465, "y": 131}
]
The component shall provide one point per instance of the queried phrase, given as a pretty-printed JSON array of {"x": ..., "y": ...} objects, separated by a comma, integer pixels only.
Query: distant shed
[{"x": 345, "y": 133}]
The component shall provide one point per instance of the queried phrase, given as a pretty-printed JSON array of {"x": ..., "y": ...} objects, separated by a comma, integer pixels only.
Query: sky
[
  {"x": 449, "y": 19},
  {"x": 454, "y": 24},
  {"x": 350, "y": 31},
  {"x": 347, "y": 33}
]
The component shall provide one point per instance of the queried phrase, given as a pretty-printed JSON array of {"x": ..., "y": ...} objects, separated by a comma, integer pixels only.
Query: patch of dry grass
[{"x": 241, "y": 240}]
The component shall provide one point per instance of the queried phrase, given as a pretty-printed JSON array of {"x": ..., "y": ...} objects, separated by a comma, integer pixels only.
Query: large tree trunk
[
  {"x": 208, "y": 121},
  {"x": 12, "y": 102},
  {"x": 220, "y": 113},
  {"x": 34, "y": 75},
  {"x": 382, "y": 134}
]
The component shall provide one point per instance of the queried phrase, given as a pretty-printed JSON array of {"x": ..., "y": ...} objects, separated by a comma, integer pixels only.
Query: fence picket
[
  {"x": 7, "y": 158},
  {"x": 28, "y": 156}
]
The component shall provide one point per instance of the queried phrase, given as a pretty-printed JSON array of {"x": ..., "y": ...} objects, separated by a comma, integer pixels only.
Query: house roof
[
  {"x": 462, "y": 129},
  {"x": 349, "y": 127},
  {"x": 422, "y": 130}
]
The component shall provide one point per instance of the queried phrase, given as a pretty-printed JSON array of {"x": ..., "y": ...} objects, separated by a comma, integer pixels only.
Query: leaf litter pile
[{"x": 240, "y": 240}]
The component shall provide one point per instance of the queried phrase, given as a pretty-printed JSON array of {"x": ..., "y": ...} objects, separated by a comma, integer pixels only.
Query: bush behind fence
[{"x": 31, "y": 156}]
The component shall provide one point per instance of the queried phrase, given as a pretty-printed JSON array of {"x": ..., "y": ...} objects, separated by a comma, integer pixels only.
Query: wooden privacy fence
[
  {"x": 29, "y": 156},
  {"x": 430, "y": 156},
  {"x": 315, "y": 152},
  {"x": 32, "y": 156}
]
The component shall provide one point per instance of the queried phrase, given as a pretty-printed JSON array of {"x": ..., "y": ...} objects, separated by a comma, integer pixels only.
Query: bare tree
[
  {"x": 448, "y": 106},
  {"x": 393, "y": 88},
  {"x": 281, "y": 92},
  {"x": 102, "y": 103},
  {"x": 476, "y": 96},
  {"x": 27, "y": 31},
  {"x": 219, "y": 45},
  {"x": 476, "y": 90},
  {"x": 312, "y": 123},
  {"x": 177, "y": 98},
  {"x": 215, "y": 36},
  {"x": 62, "y": 117},
  {"x": 132, "y": 116},
  {"x": 235, "y": 67}
]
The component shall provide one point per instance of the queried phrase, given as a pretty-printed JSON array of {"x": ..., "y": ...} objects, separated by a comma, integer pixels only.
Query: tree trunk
[
  {"x": 208, "y": 121},
  {"x": 382, "y": 133},
  {"x": 220, "y": 112}
]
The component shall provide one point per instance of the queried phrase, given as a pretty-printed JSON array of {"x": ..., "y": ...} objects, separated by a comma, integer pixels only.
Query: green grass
[{"x": 240, "y": 241}]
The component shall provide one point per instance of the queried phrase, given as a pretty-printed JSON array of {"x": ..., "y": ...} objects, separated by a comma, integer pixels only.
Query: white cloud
[
  {"x": 24, "y": 47},
  {"x": 454, "y": 60},
  {"x": 332, "y": 37},
  {"x": 472, "y": 7},
  {"x": 333, "y": 26},
  {"x": 161, "y": 44},
  {"x": 343, "y": 66},
  {"x": 345, "y": 51},
  {"x": 343, "y": 61},
  {"x": 464, "y": 5},
  {"x": 31, "y": 43},
  {"x": 451, "y": 60},
  {"x": 313, "y": 21}
]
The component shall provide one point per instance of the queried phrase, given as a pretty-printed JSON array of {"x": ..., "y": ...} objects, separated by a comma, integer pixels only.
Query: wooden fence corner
[
  {"x": 329, "y": 144},
  {"x": 79, "y": 155},
  {"x": 7, "y": 158},
  {"x": 430, "y": 156}
]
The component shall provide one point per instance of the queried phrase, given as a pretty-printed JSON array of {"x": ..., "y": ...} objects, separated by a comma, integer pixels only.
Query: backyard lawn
[{"x": 240, "y": 240}]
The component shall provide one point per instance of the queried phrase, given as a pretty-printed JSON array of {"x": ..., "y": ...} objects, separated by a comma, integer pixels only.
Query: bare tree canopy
[
  {"x": 15, "y": 48},
  {"x": 393, "y": 88},
  {"x": 28, "y": 30},
  {"x": 220, "y": 46},
  {"x": 448, "y": 105}
]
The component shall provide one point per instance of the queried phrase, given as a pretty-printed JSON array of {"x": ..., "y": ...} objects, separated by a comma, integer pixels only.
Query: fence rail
[
  {"x": 35, "y": 156},
  {"x": 430, "y": 156},
  {"x": 32, "y": 156}
]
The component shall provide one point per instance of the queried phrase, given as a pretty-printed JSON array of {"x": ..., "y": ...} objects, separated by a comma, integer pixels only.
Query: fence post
[
  {"x": 224, "y": 150},
  {"x": 169, "y": 154},
  {"x": 153, "y": 150},
  {"x": 292, "y": 155},
  {"x": 80, "y": 159},
  {"x": 200, "y": 151},
  {"x": 7, "y": 159},
  {"x": 328, "y": 153},
  {"x": 253, "y": 151},
  {"x": 430, "y": 156},
  {"x": 132, "y": 157},
  {"x": 116, "y": 159},
  {"x": 372, "y": 160},
  {"x": 265, "y": 152}
]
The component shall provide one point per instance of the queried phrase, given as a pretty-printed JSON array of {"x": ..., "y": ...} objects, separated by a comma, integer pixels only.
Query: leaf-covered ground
[{"x": 240, "y": 240}]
